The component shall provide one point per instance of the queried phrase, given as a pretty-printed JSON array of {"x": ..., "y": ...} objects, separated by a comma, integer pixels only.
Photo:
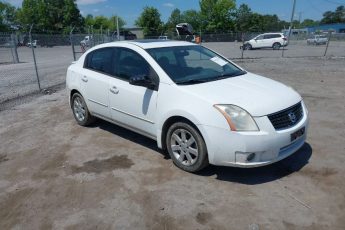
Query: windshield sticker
[{"x": 219, "y": 61}]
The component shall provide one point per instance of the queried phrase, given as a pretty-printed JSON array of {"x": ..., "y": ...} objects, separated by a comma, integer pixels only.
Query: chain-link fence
[
  {"x": 32, "y": 63},
  {"x": 41, "y": 63}
]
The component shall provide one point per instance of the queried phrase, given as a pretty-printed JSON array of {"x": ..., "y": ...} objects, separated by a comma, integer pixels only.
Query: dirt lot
[{"x": 55, "y": 174}]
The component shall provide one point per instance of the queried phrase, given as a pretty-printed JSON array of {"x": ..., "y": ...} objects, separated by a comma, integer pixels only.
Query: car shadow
[
  {"x": 129, "y": 135},
  {"x": 249, "y": 176},
  {"x": 260, "y": 175}
]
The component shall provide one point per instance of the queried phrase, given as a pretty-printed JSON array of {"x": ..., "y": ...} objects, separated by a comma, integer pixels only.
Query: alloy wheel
[
  {"x": 184, "y": 147},
  {"x": 79, "y": 109}
]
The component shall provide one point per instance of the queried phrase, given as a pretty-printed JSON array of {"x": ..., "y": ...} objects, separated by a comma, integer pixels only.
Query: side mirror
[{"x": 142, "y": 80}]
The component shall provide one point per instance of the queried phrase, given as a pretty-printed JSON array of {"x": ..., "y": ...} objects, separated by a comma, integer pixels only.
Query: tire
[
  {"x": 276, "y": 46},
  {"x": 186, "y": 147},
  {"x": 247, "y": 47},
  {"x": 80, "y": 111}
]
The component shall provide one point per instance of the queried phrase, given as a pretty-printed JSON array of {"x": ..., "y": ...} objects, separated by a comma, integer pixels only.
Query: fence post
[
  {"x": 72, "y": 43},
  {"x": 93, "y": 37},
  {"x": 328, "y": 40},
  {"x": 34, "y": 57},
  {"x": 242, "y": 35},
  {"x": 14, "y": 47}
]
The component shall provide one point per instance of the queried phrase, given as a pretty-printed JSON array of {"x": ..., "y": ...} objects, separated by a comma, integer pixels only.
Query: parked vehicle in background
[
  {"x": 33, "y": 44},
  {"x": 317, "y": 40},
  {"x": 185, "y": 32},
  {"x": 86, "y": 42},
  {"x": 199, "y": 106},
  {"x": 267, "y": 40},
  {"x": 163, "y": 37}
]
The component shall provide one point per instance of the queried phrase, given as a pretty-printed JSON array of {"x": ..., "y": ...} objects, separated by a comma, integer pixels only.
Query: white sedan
[{"x": 199, "y": 106}]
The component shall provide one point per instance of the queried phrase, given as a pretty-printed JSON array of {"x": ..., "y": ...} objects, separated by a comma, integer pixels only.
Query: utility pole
[
  {"x": 291, "y": 23},
  {"x": 291, "y": 20}
]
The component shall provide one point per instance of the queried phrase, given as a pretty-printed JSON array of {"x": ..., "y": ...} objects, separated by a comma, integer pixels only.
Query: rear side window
[
  {"x": 276, "y": 36},
  {"x": 267, "y": 36},
  {"x": 100, "y": 60}
]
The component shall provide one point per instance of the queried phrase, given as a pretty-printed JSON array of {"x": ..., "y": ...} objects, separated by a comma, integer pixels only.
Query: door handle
[
  {"x": 114, "y": 90},
  {"x": 84, "y": 79}
]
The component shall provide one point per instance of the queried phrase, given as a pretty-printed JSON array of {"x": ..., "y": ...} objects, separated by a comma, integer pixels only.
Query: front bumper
[{"x": 229, "y": 148}]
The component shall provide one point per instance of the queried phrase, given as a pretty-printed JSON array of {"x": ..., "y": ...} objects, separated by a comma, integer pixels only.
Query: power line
[
  {"x": 314, "y": 7},
  {"x": 335, "y": 2}
]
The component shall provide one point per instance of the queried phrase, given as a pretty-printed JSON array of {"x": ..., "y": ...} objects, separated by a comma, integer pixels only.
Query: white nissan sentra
[{"x": 198, "y": 105}]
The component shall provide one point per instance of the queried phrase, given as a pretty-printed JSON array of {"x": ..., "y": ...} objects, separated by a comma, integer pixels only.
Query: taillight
[{"x": 284, "y": 38}]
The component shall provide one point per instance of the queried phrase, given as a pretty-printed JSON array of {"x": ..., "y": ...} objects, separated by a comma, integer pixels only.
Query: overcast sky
[{"x": 131, "y": 9}]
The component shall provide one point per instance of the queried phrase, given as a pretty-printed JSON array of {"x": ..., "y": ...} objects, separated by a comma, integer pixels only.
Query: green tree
[
  {"x": 243, "y": 17},
  {"x": 308, "y": 22},
  {"x": 192, "y": 17},
  {"x": 113, "y": 24},
  {"x": 338, "y": 16},
  {"x": 103, "y": 22},
  {"x": 216, "y": 15},
  {"x": 150, "y": 21},
  {"x": 174, "y": 19},
  {"x": 8, "y": 15},
  {"x": 50, "y": 15}
]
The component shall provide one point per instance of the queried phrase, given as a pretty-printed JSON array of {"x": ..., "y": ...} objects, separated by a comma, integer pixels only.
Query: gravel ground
[{"x": 55, "y": 174}]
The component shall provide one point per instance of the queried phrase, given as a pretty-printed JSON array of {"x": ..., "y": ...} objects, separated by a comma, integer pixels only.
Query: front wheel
[
  {"x": 247, "y": 47},
  {"x": 80, "y": 110},
  {"x": 186, "y": 147}
]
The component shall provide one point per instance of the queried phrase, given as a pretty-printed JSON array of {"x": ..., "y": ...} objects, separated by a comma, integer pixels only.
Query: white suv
[
  {"x": 268, "y": 40},
  {"x": 195, "y": 103}
]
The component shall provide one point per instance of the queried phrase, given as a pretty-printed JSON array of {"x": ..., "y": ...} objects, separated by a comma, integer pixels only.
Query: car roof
[
  {"x": 154, "y": 43},
  {"x": 274, "y": 33}
]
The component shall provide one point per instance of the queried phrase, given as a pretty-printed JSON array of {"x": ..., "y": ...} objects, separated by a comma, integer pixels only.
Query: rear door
[
  {"x": 94, "y": 81},
  {"x": 268, "y": 40}
]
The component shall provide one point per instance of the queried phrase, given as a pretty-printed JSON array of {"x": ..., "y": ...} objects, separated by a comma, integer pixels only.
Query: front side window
[
  {"x": 100, "y": 60},
  {"x": 193, "y": 64},
  {"x": 130, "y": 64},
  {"x": 260, "y": 37}
]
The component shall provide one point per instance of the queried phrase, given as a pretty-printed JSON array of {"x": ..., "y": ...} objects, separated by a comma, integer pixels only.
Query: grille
[{"x": 287, "y": 118}]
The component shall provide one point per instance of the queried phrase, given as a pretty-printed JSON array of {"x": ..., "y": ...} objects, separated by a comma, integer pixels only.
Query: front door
[
  {"x": 130, "y": 105},
  {"x": 259, "y": 42}
]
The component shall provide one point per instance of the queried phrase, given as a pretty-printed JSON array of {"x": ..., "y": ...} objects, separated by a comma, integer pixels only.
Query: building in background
[{"x": 335, "y": 28}]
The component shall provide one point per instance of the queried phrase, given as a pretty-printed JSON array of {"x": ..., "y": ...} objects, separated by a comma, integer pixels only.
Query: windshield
[{"x": 193, "y": 64}]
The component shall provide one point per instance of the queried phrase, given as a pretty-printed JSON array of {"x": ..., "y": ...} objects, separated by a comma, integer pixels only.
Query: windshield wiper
[
  {"x": 224, "y": 76},
  {"x": 203, "y": 80},
  {"x": 191, "y": 81}
]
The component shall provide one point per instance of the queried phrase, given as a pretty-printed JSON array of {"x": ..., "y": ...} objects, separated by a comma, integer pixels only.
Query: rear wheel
[
  {"x": 276, "y": 46},
  {"x": 186, "y": 147},
  {"x": 80, "y": 110}
]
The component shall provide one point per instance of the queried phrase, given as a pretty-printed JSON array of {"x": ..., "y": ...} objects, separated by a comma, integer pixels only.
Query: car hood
[{"x": 258, "y": 95}]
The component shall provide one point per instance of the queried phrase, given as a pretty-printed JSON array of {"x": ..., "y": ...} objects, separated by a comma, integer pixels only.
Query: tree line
[
  {"x": 52, "y": 16},
  {"x": 222, "y": 16},
  {"x": 213, "y": 16}
]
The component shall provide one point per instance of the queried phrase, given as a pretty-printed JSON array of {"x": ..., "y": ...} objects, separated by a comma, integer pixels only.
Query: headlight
[{"x": 237, "y": 118}]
